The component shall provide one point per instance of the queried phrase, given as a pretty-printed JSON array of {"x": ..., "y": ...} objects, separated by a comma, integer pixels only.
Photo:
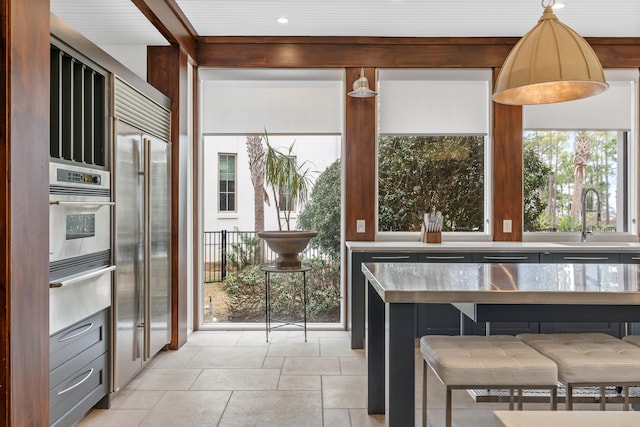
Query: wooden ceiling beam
[
  {"x": 167, "y": 17},
  {"x": 392, "y": 52}
]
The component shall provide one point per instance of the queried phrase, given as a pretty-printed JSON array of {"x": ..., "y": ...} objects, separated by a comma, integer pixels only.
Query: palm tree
[
  {"x": 255, "y": 152},
  {"x": 581, "y": 157}
]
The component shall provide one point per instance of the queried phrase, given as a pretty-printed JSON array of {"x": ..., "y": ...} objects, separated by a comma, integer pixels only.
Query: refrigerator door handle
[{"x": 147, "y": 249}]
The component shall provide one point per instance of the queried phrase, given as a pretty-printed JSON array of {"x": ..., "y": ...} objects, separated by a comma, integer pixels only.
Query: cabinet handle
[
  {"x": 77, "y": 334},
  {"x": 445, "y": 257},
  {"x": 586, "y": 258},
  {"x": 389, "y": 257},
  {"x": 506, "y": 258},
  {"x": 61, "y": 392},
  {"x": 635, "y": 258}
]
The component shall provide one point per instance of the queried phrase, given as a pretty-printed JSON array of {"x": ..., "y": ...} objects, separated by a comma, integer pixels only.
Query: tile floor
[{"x": 225, "y": 379}]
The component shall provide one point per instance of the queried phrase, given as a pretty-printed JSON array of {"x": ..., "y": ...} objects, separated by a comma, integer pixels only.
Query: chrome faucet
[{"x": 583, "y": 211}]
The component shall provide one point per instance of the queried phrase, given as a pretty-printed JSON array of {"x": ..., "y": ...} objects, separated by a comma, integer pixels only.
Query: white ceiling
[{"x": 119, "y": 22}]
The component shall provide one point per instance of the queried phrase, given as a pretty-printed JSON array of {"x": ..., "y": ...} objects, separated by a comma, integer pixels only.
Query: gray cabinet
[
  {"x": 444, "y": 319},
  {"x": 357, "y": 287},
  {"x": 79, "y": 369},
  {"x": 440, "y": 319},
  {"x": 616, "y": 329}
]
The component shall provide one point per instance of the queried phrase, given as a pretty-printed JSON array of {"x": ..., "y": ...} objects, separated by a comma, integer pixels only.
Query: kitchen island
[
  {"x": 442, "y": 319},
  {"x": 484, "y": 290}
]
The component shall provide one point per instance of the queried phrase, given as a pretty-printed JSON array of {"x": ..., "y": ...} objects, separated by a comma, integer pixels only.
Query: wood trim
[
  {"x": 394, "y": 52},
  {"x": 24, "y": 228},
  {"x": 167, "y": 17},
  {"x": 169, "y": 75},
  {"x": 360, "y": 160},
  {"x": 507, "y": 170}
]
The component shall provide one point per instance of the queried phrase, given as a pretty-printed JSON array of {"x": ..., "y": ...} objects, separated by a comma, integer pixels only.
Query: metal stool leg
[{"x": 425, "y": 367}]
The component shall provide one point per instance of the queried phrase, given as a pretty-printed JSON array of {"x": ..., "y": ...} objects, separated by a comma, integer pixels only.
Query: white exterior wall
[{"x": 320, "y": 150}]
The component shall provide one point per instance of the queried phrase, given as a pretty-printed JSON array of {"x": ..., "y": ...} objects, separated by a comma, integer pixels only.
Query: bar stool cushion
[
  {"x": 632, "y": 339},
  {"x": 588, "y": 357},
  {"x": 486, "y": 360}
]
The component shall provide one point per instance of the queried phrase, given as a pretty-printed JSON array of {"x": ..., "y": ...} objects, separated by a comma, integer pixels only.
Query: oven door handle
[
  {"x": 70, "y": 280},
  {"x": 80, "y": 203}
]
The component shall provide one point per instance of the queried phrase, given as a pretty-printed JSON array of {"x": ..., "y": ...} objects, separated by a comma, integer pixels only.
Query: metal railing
[{"x": 224, "y": 248}]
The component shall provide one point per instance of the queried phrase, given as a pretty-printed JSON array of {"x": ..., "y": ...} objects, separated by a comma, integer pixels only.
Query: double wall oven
[{"x": 80, "y": 259}]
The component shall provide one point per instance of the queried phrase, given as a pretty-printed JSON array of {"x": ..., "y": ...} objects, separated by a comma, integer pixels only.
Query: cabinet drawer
[
  {"x": 391, "y": 257},
  {"x": 444, "y": 257},
  {"x": 89, "y": 384},
  {"x": 501, "y": 257},
  {"x": 580, "y": 258},
  {"x": 629, "y": 258},
  {"x": 73, "y": 340}
]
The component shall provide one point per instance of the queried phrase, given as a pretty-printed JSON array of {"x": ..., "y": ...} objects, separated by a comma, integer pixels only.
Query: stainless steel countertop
[
  {"x": 415, "y": 246},
  {"x": 612, "y": 284}
]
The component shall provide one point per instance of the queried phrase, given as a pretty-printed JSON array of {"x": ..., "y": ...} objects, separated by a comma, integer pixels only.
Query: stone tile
[
  {"x": 173, "y": 359},
  {"x": 164, "y": 379},
  {"x": 188, "y": 408},
  {"x": 353, "y": 366},
  {"x": 228, "y": 357},
  {"x": 132, "y": 399},
  {"x": 328, "y": 334},
  {"x": 337, "y": 418},
  {"x": 258, "y": 340},
  {"x": 360, "y": 418},
  {"x": 273, "y": 362},
  {"x": 273, "y": 409},
  {"x": 113, "y": 418},
  {"x": 237, "y": 379},
  {"x": 311, "y": 366},
  {"x": 299, "y": 382},
  {"x": 337, "y": 347},
  {"x": 294, "y": 348},
  {"x": 208, "y": 339},
  {"x": 344, "y": 391}
]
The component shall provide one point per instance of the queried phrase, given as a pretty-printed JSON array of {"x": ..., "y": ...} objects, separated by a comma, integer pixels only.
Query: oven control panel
[{"x": 79, "y": 177}]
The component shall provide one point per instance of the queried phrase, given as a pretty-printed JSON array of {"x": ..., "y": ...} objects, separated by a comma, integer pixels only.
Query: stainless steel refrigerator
[{"x": 142, "y": 243}]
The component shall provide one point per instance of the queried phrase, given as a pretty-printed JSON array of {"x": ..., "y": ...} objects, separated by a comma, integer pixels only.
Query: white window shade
[
  {"x": 241, "y": 107},
  {"x": 434, "y": 102},
  {"x": 614, "y": 109}
]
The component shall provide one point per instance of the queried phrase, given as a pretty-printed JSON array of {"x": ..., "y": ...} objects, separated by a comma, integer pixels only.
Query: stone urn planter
[{"x": 288, "y": 245}]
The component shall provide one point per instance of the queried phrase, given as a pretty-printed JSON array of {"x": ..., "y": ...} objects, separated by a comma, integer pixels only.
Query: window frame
[{"x": 235, "y": 181}]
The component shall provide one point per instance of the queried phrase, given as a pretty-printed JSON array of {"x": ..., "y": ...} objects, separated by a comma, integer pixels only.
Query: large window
[
  {"x": 560, "y": 167},
  {"x": 580, "y": 162},
  {"x": 420, "y": 173},
  {"x": 227, "y": 182},
  {"x": 432, "y": 148},
  {"x": 302, "y": 113}
]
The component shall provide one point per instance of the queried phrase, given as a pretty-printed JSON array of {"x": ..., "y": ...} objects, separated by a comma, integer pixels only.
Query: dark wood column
[
  {"x": 360, "y": 159},
  {"x": 167, "y": 71},
  {"x": 507, "y": 170},
  {"x": 24, "y": 228}
]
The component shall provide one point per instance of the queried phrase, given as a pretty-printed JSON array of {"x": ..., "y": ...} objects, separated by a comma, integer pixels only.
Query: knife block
[{"x": 432, "y": 237}]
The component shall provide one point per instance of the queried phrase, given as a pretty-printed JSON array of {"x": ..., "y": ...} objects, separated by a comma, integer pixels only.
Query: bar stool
[
  {"x": 590, "y": 360},
  {"x": 496, "y": 362}
]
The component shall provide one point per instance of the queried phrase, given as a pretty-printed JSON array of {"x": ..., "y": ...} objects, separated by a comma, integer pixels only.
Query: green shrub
[{"x": 245, "y": 289}]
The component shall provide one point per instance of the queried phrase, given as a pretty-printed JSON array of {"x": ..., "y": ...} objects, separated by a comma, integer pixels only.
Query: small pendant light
[
  {"x": 551, "y": 63},
  {"x": 361, "y": 87}
]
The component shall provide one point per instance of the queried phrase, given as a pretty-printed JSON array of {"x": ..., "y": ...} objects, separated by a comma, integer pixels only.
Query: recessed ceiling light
[
  {"x": 282, "y": 20},
  {"x": 557, "y": 6}
]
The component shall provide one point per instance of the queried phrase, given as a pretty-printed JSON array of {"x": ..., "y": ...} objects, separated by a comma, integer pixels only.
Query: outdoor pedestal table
[{"x": 485, "y": 292}]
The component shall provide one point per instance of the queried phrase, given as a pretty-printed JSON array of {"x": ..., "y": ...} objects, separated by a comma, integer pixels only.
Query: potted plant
[{"x": 289, "y": 184}]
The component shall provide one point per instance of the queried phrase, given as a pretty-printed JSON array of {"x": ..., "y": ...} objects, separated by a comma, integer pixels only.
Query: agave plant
[{"x": 289, "y": 182}]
